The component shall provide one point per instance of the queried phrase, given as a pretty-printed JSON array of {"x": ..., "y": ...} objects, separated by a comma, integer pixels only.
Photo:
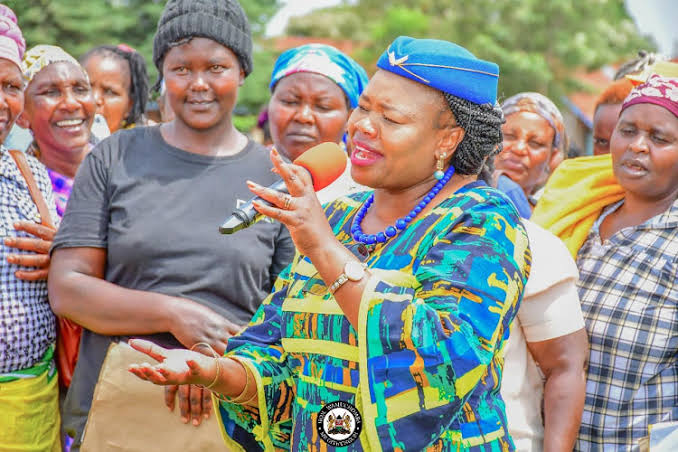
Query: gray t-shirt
[{"x": 157, "y": 210}]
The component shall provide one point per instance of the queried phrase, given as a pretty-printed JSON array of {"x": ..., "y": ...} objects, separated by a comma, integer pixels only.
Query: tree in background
[
  {"x": 78, "y": 25},
  {"x": 539, "y": 45}
]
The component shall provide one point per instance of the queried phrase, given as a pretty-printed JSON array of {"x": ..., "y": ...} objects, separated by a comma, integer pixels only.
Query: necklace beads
[{"x": 401, "y": 223}]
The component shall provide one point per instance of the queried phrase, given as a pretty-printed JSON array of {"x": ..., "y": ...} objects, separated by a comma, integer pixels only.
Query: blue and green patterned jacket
[{"x": 424, "y": 365}]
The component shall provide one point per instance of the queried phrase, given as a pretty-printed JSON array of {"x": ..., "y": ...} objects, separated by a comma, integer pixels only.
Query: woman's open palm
[{"x": 175, "y": 366}]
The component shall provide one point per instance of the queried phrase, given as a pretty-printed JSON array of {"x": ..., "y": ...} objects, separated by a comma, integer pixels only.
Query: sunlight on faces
[
  {"x": 11, "y": 96},
  {"x": 644, "y": 148},
  {"x": 306, "y": 109},
  {"x": 396, "y": 131},
  {"x": 110, "y": 79},
  {"x": 202, "y": 79},
  {"x": 604, "y": 121},
  {"x": 528, "y": 150},
  {"x": 59, "y": 108}
]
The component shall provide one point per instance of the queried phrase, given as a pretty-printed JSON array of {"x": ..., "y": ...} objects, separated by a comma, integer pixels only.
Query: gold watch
[{"x": 353, "y": 271}]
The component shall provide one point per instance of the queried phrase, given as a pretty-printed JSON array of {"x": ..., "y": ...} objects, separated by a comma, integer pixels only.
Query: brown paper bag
[{"x": 129, "y": 414}]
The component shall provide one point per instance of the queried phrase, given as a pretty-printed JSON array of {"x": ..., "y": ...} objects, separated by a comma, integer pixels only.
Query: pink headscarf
[
  {"x": 12, "y": 43},
  {"x": 658, "y": 90}
]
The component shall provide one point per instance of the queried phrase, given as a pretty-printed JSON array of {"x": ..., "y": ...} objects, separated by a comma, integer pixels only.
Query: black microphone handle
[{"x": 246, "y": 215}]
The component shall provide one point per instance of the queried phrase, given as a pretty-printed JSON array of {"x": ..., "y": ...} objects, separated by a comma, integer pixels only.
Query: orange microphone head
[{"x": 325, "y": 161}]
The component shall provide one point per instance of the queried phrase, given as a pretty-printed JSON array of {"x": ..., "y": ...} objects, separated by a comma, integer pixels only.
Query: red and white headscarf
[{"x": 658, "y": 90}]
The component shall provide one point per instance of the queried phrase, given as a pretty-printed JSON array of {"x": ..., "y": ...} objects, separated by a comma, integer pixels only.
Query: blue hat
[
  {"x": 444, "y": 66},
  {"x": 325, "y": 60}
]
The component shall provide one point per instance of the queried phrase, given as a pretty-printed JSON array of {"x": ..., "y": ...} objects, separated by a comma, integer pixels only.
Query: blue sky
[{"x": 654, "y": 17}]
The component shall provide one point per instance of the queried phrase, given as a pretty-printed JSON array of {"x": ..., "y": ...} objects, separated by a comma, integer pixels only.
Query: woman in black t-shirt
[{"x": 139, "y": 253}]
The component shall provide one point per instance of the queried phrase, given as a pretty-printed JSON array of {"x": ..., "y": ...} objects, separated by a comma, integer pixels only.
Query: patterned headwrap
[
  {"x": 658, "y": 90},
  {"x": 541, "y": 105},
  {"x": 324, "y": 60},
  {"x": 12, "y": 43},
  {"x": 42, "y": 56}
]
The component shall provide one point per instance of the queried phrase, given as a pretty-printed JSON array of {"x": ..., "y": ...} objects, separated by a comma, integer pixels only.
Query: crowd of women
[{"x": 463, "y": 285}]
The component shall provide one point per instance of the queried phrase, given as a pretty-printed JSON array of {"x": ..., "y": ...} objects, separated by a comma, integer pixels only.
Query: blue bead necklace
[{"x": 401, "y": 223}]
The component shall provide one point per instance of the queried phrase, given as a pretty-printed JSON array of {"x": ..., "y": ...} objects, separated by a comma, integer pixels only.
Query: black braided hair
[
  {"x": 487, "y": 172},
  {"x": 482, "y": 138},
  {"x": 138, "y": 87}
]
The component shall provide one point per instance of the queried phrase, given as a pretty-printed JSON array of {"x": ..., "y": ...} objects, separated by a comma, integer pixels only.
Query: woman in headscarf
[
  {"x": 119, "y": 83},
  {"x": 386, "y": 331},
  {"x": 609, "y": 103},
  {"x": 623, "y": 233},
  {"x": 628, "y": 277},
  {"x": 547, "y": 350},
  {"x": 138, "y": 252},
  {"x": 314, "y": 89},
  {"x": 535, "y": 143},
  {"x": 29, "y": 418},
  {"x": 59, "y": 111}
]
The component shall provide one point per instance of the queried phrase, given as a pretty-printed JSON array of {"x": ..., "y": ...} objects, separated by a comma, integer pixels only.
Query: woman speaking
[{"x": 391, "y": 319}]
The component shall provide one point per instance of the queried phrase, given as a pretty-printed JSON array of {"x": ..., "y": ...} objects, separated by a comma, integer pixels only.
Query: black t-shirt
[{"x": 157, "y": 209}]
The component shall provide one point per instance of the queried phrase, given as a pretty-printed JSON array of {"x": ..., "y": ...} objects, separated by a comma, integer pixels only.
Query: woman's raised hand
[
  {"x": 174, "y": 367},
  {"x": 299, "y": 210}
]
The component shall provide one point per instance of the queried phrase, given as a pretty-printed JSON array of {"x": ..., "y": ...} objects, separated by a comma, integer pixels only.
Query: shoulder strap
[{"x": 39, "y": 200}]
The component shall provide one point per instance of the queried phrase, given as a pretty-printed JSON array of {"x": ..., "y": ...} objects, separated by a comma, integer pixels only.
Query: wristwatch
[{"x": 353, "y": 271}]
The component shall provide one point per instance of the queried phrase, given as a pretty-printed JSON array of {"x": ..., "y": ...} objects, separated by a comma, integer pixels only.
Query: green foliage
[
  {"x": 401, "y": 21},
  {"x": 539, "y": 45},
  {"x": 259, "y": 13},
  {"x": 245, "y": 123},
  {"x": 78, "y": 25},
  {"x": 254, "y": 92},
  {"x": 342, "y": 22}
]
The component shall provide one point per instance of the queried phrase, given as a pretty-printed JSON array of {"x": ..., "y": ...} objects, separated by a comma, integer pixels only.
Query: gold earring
[{"x": 440, "y": 165}]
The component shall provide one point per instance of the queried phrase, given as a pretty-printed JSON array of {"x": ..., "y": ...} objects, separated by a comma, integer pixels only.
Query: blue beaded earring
[{"x": 440, "y": 164}]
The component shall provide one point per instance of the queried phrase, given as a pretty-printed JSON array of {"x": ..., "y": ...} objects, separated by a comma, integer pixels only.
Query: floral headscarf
[
  {"x": 541, "y": 105},
  {"x": 658, "y": 90},
  {"x": 42, "y": 56},
  {"x": 325, "y": 60}
]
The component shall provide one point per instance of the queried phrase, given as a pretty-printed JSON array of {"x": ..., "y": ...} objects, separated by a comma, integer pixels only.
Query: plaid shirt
[
  {"x": 629, "y": 297},
  {"x": 27, "y": 324}
]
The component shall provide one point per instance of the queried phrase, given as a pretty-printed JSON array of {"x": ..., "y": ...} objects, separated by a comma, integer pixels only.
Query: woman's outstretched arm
[{"x": 224, "y": 376}]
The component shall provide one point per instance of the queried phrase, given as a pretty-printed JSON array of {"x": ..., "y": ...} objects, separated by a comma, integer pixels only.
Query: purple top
[{"x": 62, "y": 186}]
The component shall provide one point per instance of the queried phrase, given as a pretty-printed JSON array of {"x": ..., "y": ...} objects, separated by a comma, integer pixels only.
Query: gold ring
[{"x": 288, "y": 202}]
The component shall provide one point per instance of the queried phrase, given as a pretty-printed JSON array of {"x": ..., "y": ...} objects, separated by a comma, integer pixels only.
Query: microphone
[{"x": 325, "y": 162}]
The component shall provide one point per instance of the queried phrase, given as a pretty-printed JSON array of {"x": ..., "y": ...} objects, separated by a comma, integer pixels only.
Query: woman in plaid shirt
[
  {"x": 29, "y": 418},
  {"x": 627, "y": 281},
  {"x": 618, "y": 215}
]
